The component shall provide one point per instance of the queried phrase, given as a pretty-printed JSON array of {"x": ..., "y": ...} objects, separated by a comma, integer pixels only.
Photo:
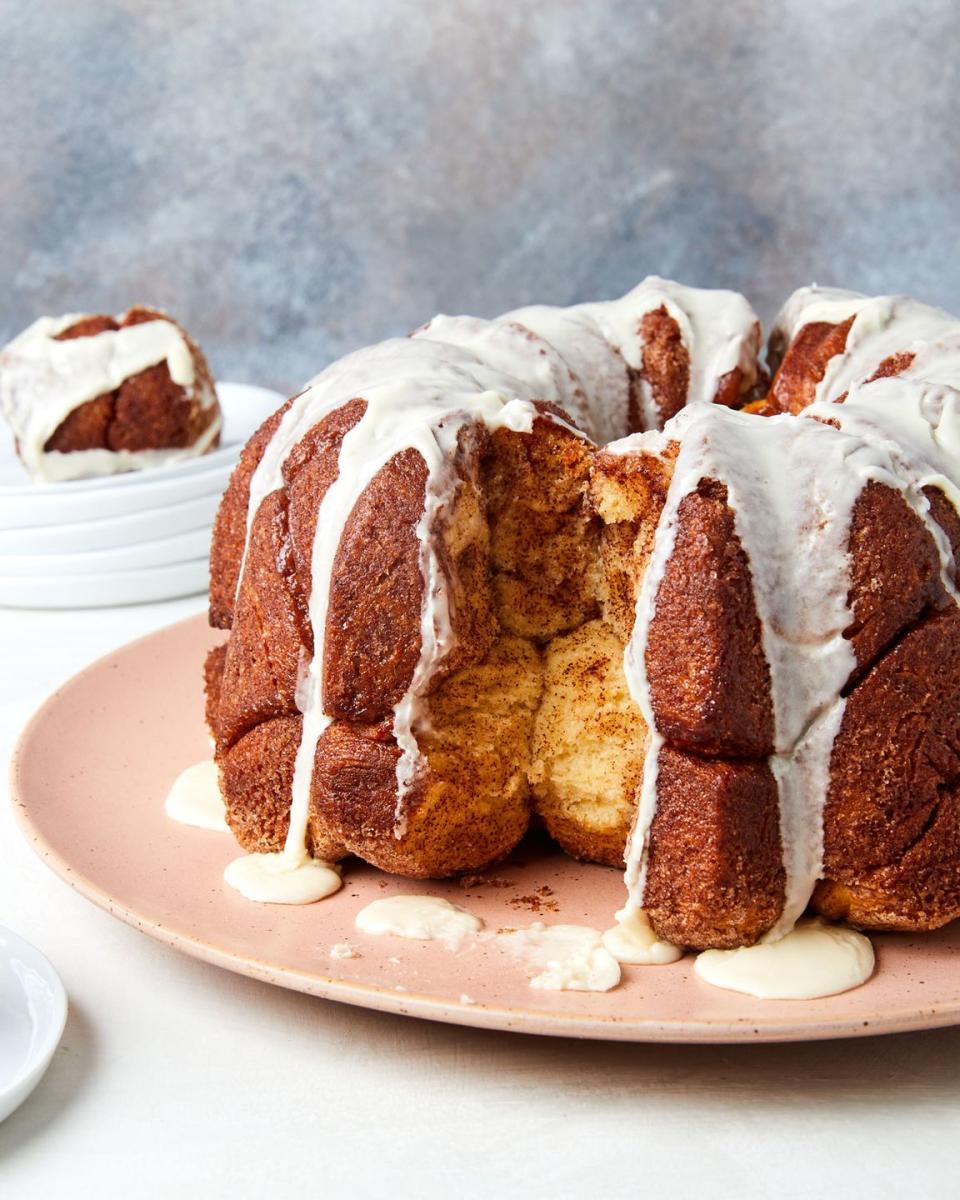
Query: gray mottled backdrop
[{"x": 295, "y": 179}]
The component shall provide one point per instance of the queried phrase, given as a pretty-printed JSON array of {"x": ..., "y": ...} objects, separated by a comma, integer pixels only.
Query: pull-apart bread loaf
[
  {"x": 97, "y": 395},
  {"x": 721, "y": 650}
]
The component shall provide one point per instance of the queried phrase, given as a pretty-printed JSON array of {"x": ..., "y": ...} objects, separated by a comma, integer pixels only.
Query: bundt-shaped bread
[
  {"x": 718, "y": 650},
  {"x": 96, "y": 395}
]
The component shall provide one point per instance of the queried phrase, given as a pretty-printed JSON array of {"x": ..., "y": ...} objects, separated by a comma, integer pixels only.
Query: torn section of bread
[{"x": 589, "y": 741}]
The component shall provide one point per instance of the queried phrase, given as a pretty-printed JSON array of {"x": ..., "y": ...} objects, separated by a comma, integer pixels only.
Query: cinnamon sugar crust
[
  {"x": 666, "y": 362},
  {"x": 805, "y": 364},
  {"x": 714, "y": 699},
  {"x": 892, "y": 819},
  {"x": 543, "y": 548},
  {"x": 716, "y": 876}
]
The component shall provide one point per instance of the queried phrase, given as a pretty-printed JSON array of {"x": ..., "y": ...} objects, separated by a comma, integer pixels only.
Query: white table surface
[{"x": 175, "y": 1078}]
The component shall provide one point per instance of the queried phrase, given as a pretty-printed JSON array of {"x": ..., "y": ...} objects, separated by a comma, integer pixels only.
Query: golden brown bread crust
[
  {"x": 892, "y": 818},
  {"x": 714, "y": 698},
  {"x": 147, "y": 412},
  {"x": 373, "y": 614},
  {"x": 804, "y": 365},
  {"x": 468, "y": 805},
  {"x": 263, "y": 657},
  {"x": 666, "y": 362},
  {"x": 947, "y": 518},
  {"x": 715, "y": 876},
  {"x": 666, "y": 371},
  {"x": 894, "y": 571},
  {"x": 543, "y": 549},
  {"x": 212, "y": 683},
  {"x": 230, "y": 525},
  {"x": 893, "y": 365}
]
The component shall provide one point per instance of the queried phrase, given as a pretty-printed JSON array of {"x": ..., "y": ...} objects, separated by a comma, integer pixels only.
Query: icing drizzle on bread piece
[
  {"x": 96, "y": 395},
  {"x": 448, "y": 606},
  {"x": 832, "y": 340},
  {"x": 432, "y": 406},
  {"x": 791, "y": 487},
  {"x": 845, "y": 516}
]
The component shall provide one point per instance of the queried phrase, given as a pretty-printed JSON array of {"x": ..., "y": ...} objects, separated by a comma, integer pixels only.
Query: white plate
[
  {"x": 105, "y": 588},
  {"x": 88, "y": 782},
  {"x": 24, "y": 504},
  {"x": 33, "y": 1012},
  {"x": 182, "y": 547},
  {"x": 129, "y": 529}
]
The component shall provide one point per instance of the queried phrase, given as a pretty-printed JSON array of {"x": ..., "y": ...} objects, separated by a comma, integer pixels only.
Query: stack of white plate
[{"x": 122, "y": 539}]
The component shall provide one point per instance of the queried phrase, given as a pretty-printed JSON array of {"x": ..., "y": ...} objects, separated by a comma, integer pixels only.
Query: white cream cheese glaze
[
  {"x": 883, "y": 326},
  {"x": 269, "y": 879},
  {"x": 719, "y": 330},
  {"x": 518, "y": 353},
  {"x": 792, "y": 483},
  {"x": 561, "y": 957},
  {"x": 633, "y": 940},
  {"x": 813, "y": 959},
  {"x": 602, "y": 403},
  {"x": 42, "y": 380},
  {"x": 195, "y": 799},
  {"x": 565, "y": 958},
  {"x": 420, "y": 918},
  {"x": 420, "y": 392}
]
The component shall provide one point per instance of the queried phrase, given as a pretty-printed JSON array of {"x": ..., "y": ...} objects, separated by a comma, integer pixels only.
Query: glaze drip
[
  {"x": 792, "y": 483},
  {"x": 421, "y": 393}
]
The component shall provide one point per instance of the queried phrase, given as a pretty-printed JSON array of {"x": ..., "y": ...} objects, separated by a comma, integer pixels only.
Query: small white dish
[
  {"x": 54, "y": 505},
  {"x": 33, "y": 1012},
  {"x": 24, "y": 504},
  {"x": 105, "y": 587},
  {"x": 108, "y": 533}
]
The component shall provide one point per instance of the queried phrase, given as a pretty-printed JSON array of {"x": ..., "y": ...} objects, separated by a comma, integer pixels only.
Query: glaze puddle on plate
[{"x": 90, "y": 776}]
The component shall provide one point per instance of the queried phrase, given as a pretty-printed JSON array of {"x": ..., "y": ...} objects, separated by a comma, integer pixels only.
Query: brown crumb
[
  {"x": 494, "y": 881},
  {"x": 538, "y": 901}
]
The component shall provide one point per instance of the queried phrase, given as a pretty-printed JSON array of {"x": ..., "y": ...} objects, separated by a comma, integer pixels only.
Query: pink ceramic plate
[{"x": 89, "y": 779}]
